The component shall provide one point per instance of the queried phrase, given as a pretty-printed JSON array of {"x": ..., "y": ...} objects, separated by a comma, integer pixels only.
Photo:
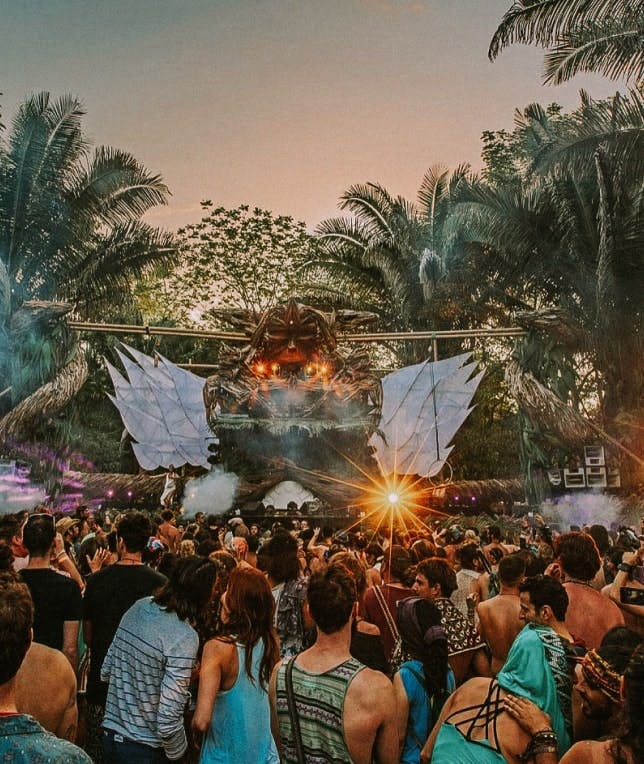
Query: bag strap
[
  {"x": 391, "y": 623},
  {"x": 292, "y": 712}
]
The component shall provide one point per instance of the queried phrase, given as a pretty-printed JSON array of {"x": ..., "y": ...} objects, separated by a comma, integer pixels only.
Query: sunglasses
[{"x": 42, "y": 514}]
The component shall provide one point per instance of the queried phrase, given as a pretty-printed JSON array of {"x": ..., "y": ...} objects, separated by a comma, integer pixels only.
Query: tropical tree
[
  {"x": 387, "y": 256},
  {"x": 242, "y": 258},
  {"x": 71, "y": 240},
  {"x": 604, "y": 36},
  {"x": 565, "y": 243}
]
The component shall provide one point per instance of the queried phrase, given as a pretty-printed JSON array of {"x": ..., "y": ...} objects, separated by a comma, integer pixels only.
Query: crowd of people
[{"x": 148, "y": 638}]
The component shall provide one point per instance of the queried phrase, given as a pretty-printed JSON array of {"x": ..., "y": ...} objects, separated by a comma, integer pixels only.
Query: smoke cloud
[
  {"x": 18, "y": 493},
  {"x": 583, "y": 509},
  {"x": 213, "y": 494}
]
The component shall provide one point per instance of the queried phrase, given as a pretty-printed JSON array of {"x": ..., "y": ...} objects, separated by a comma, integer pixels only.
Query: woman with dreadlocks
[
  {"x": 424, "y": 680},
  {"x": 232, "y": 705}
]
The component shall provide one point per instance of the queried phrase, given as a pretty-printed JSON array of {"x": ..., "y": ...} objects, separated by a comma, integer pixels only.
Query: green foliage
[
  {"x": 486, "y": 445},
  {"x": 604, "y": 36},
  {"x": 242, "y": 257},
  {"x": 70, "y": 232}
]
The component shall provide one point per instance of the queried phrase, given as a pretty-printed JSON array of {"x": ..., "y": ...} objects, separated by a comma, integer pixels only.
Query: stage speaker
[
  {"x": 596, "y": 477},
  {"x": 575, "y": 478},
  {"x": 594, "y": 456}
]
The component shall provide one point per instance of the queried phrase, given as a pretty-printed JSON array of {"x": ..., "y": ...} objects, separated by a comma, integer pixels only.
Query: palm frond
[
  {"x": 618, "y": 122},
  {"x": 44, "y": 145},
  {"x": 614, "y": 48},
  {"x": 130, "y": 251},
  {"x": 116, "y": 188},
  {"x": 544, "y": 22},
  {"x": 372, "y": 203}
]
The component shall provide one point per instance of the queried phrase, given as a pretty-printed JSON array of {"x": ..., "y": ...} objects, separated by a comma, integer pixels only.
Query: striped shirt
[
  {"x": 319, "y": 702},
  {"x": 148, "y": 667}
]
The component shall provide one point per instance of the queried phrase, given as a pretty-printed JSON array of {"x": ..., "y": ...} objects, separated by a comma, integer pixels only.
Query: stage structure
[{"x": 292, "y": 403}]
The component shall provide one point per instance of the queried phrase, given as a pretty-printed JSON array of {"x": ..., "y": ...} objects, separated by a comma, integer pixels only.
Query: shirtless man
[
  {"x": 345, "y": 710},
  {"x": 499, "y": 621},
  {"x": 590, "y": 614},
  {"x": 494, "y": 534},
  {"x": 46, "y": 690},
  {"x": 168, "y": 531},
  {"x": 22, "y": 738}
]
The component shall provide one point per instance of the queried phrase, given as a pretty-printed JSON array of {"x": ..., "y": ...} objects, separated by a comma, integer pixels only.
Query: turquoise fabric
[
  {"x": 240, "y": 728},
  {"x": 536, "y": 659},
  {"x": 451, "y": 747},
  {"x": 419, "y": 722},
  {"x": 24, "y": 741}
]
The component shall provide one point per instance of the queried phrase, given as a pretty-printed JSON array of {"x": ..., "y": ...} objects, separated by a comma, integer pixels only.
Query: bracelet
[
  {"x": 544, "y": 741},
  {"x": 625, "y": 567}
]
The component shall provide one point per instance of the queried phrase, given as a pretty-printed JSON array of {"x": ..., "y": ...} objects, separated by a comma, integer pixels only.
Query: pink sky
[{"x": 280, "y": 104}]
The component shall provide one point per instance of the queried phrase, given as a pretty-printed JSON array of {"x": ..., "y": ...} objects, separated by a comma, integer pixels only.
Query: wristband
[{"x": 625, "y": 567}]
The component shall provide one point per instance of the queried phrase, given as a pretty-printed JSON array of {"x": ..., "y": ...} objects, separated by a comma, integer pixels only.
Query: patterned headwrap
[{"x": 599, "y": 673}]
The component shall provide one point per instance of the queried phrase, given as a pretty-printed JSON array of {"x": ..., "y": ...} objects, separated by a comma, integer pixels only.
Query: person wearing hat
[{"x": 68, "y": 527}]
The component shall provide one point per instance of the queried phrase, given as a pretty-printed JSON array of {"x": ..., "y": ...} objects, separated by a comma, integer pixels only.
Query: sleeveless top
[
  {"x": 240, "y": 727},
  {"x": 319, "y": 702}
]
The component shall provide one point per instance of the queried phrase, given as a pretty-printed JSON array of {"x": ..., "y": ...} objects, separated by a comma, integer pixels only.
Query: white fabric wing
[
  {"x": 162, "y": 408},
  {"x": 423, "y": 407}
]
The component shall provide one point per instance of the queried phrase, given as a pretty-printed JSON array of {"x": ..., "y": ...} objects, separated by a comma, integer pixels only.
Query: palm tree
[
  {"x": 71, "y": 239},
  {"x": 568, "y": 242},
  {"x": 604, "y": 36},
  {"x": 388, "y": 257}
]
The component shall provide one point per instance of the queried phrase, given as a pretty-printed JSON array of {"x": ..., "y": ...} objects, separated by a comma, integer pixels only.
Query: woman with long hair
[
  {"x": 232, "y": 705},
  {"x": 289, "y": 592},
  {"x": 424, "y": 680}
]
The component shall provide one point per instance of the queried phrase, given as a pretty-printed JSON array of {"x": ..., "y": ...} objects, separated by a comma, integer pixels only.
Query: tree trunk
[{"x": 47, "y": 400}]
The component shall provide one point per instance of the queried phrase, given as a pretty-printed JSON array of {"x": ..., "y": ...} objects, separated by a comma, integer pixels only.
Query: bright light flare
[{"x": 393, "y": 498}]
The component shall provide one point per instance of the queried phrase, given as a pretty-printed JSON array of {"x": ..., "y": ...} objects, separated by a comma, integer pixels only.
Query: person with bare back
[{"x": 499, "y": 621}]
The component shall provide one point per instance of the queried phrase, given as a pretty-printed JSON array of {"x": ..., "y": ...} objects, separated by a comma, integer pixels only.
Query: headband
[{"x": 600, "y": 673}]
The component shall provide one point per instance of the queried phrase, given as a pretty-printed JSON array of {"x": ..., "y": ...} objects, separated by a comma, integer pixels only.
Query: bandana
[
  {"x": 601, "y": 674},
  {"x": 414, "y": 639}
]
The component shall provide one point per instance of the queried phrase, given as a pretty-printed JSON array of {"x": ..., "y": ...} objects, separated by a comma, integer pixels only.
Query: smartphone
[{"x": 631, "y": 596}]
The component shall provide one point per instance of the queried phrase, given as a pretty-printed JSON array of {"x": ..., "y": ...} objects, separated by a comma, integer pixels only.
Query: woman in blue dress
[
  {"x": 233, "y": 709},
  {"x": 424, "y": 679}
]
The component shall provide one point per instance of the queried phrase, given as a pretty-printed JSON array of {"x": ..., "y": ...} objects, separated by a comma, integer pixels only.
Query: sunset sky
[{"x": 280, "y": 104}]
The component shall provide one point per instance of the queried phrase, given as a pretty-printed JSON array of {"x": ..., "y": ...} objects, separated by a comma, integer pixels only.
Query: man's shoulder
[{"x": 369, "y": 681}]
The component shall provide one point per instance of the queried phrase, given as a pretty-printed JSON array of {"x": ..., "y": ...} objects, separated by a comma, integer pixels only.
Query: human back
[
  {"x": 345, "y": 710},
  {"x": 232, "y": 705}
]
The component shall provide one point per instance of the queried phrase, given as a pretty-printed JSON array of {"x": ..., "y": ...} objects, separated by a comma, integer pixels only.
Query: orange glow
[{"x": 260, "y": 368}]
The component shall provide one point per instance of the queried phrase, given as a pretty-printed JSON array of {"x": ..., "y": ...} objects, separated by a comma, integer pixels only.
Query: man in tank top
[{"x": 324, "y": 701}]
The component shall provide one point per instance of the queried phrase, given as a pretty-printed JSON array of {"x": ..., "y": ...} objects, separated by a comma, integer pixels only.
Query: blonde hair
[{"x": 187, "y": 548}]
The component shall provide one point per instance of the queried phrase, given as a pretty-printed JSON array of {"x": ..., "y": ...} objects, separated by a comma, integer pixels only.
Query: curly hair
[
  {"x": 189, "y": 588},
  {"x": 578, "y": 555}
]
